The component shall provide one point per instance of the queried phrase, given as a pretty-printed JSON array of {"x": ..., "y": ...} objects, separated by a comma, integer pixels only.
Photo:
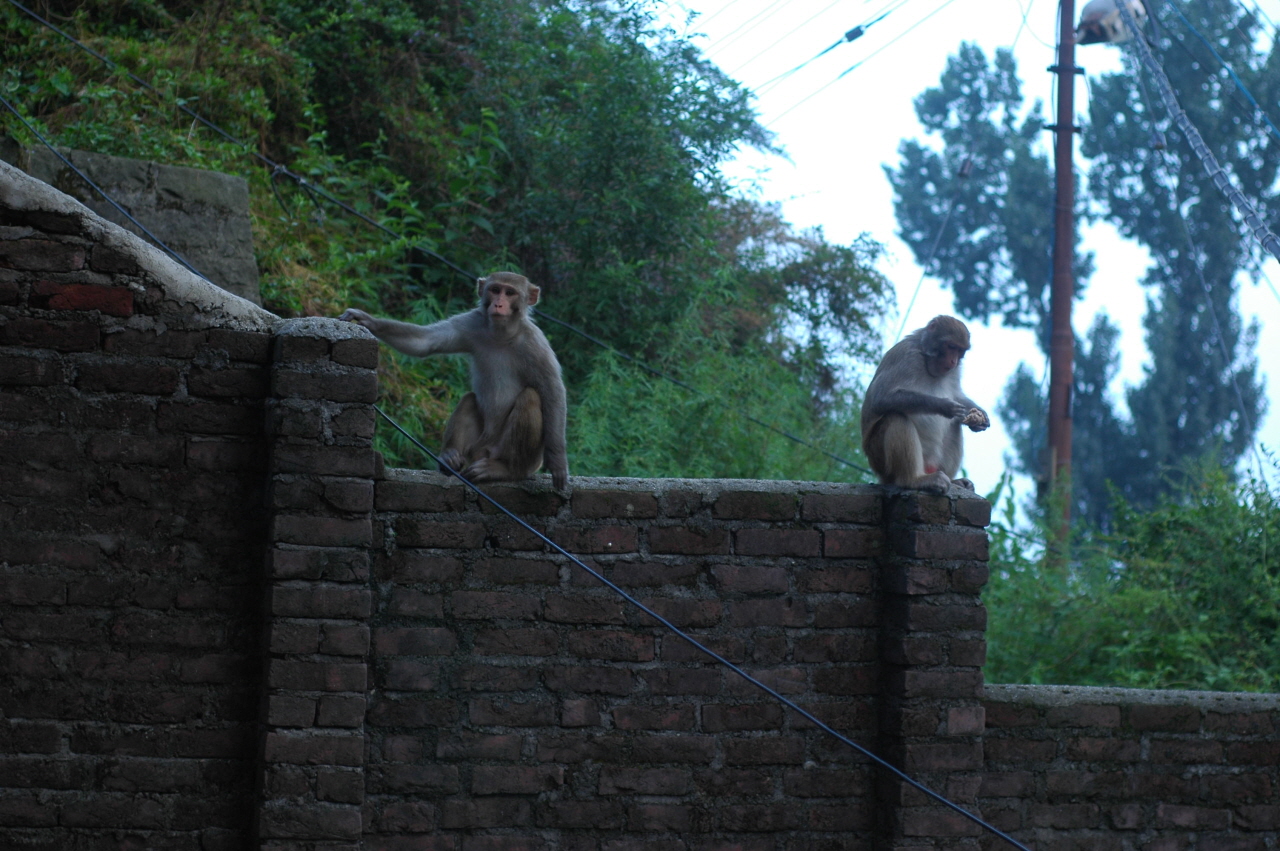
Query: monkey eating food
[
  {"x": 914, "y": 411},
  {"x": 513, "y": 420}
]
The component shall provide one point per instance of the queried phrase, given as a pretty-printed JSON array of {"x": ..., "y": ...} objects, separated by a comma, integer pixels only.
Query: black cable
[
  {"x": 98, "y": 189},
  {"x": 790, "y": 704},
  {"x": 312, "y": 190},
  {"x": 1234, "y": 76}
]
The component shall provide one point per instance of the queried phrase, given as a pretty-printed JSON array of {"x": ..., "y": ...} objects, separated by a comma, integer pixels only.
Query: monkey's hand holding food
[{"x": 976, "y": 419}]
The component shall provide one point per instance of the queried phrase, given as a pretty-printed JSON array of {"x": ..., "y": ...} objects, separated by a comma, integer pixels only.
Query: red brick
[
  {"x": 30, "y": 370},
  {"x": 426, "y": 496},
  {"x": 867, "y": 542},
  {"x": 113, "y": 301},
  {"x": 863, "y": 508},
  {"x": 322, "y": 531},
  {"x": 665, "y": 717},
  {"x": 719, "y": 718},
  {"x": 520, "y": 500},
  {"x": 517, "y": 642},
  {"x": 516, "y": 571},
  {"x": 768, "y": 612},
  {"x": 618, "y": 780},
  {"x": 426, "y": 780},
  {"x": 503, "y": 713},
  {"x": 583, "y": 815},
  {"x": 1194, "y": 818},
  {"x": 410, "y": 602},
  {"x": 320, "y": 601},
  {"x": 589, "y": 679},
  {"x": 640, "y": 574},
  {"x": 21, "y": 590},
  {"x": 1258, "y": 817},
  {"x": 950, "y": 543},
  {"x": 515, "y": 779},
  {"x": 684, "y": 540},
  {"x": 690, "y": 681},
  {"x": 31, "y": 254},
  {"x": 411, "y": 532},
  {"x": 758, "y": 818},
  {"x": 581, "y": 748},
  {"x": 799, "y": 543},
  {"x": 584, "y": 610},
  {"x": 1240, "y": 723},
  {"x": 412, "y": 711},
  {"x": 1166, "y": 719},
  {"x": 684, "y": 613},
  {"x": 316, "y": 676},
  {"x": 415, "y": 641},
  {"x": 209, "y": 418},
  {"x": 750, "y": 580},
  {"x": 409, "y": 675},
  {"x": 764, "y": 751},
  {"x": 336, "y": 384},
  {"x": 1104, "y": 750},
  {"x": 847, "y": 578},
  {"x": 597, "y": 539},
  {"x": 487, "y": 605},
  {"x": 1064, "y": 816},
  {"x": 754, "y": 505},
  {"x": 855, "y": 612},
  {"x": 673, "y": 749},
  {"x": 477, "y": 677},
  {"x": 1186, "y": 752},
  {"x": 959, "y": 756},
  {"x": 467, "y": 814},
  {"x": 311, "y": 749},
  {"x": 1019, "y": 751},
  {"x": 354, "y": 461},
  {"x": 579, "y": 713},
  {"x": 411, "y": 566},
  {"x": 625, "y": 505},
  {"x": 843, "y": 647},
  {"x": 612, "y": 645}
]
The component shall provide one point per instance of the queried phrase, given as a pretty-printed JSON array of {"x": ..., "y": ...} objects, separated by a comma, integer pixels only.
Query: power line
[
  {"x": 278, "y": 169},
  {"x": 886, "y": 46}
]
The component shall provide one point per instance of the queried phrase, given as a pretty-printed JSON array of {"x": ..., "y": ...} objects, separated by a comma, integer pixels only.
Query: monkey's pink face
[
  {"x": 947, "y": 359},
  {"x": 501, "y": 300}
]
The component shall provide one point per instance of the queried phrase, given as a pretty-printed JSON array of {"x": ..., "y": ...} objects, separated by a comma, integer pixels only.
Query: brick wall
[
  {"x": 131, "y": 538},
  {"x": 224, "y": 625},
  {"x": 1100, "y": 768}
]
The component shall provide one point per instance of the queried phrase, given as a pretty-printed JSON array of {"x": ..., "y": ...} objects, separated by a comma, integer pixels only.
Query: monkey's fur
[
  {"x": 914, "y": 410},
  {"x": 513, "y": 420}
]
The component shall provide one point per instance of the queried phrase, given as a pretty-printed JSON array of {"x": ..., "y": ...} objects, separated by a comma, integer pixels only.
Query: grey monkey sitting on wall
[
  {"x": 513, "y": 420},
  {"x": 914, "y": 410}
]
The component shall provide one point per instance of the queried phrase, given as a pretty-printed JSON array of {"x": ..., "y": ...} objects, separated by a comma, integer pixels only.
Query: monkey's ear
[
  {"x": 480, "y": 282},
  {"x": 534, "y": 292}
]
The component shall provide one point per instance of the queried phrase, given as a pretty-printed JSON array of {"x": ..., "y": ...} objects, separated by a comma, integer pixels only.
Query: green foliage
[
  {"x": 1201, "y": 397},
  {"x": 1186, "y": 596},
  {"x": 573, "y": 140}
]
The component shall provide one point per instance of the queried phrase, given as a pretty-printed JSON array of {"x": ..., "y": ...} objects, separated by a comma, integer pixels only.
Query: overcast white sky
[{"x": 839, "y": 133}]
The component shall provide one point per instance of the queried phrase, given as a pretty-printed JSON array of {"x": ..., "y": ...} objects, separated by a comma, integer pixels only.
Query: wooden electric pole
[{"x": 1062, "y": 341}]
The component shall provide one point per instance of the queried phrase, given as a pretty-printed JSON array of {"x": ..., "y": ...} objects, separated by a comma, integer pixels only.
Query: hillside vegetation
[{"x": 577, "y": 142}]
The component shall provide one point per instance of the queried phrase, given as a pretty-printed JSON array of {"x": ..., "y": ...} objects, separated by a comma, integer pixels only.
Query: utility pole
[{"x": 1062, "y": 342}]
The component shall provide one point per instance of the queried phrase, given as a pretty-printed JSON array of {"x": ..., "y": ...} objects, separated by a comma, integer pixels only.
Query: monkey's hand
[
  {"x": 359, "y": 317},
  {"x": 560, "y": 478},
  {"x": 976, "y": 419}
]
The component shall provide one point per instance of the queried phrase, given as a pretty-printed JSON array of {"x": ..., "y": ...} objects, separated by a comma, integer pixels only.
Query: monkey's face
[
  {"x": 947, "y": 358},
  {"x": 502, "y": 301}
]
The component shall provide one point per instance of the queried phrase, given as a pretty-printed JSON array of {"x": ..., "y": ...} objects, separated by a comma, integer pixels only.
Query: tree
[{"x": 1187, "y": 407}]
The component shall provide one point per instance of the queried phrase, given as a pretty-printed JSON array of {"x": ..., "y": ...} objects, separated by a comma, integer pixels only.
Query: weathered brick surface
[
  {"x": 223, "y": 624},
  {"x": 1144, "y": 769},
  {"x": 131, "y": 549}
]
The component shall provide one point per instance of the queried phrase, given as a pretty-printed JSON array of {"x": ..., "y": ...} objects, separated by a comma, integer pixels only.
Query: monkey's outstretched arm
[{"x": 448, "y": 336}]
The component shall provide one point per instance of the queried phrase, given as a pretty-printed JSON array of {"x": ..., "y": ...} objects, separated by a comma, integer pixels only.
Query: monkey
[
  {"x": 914, "y": 410},
  {"x": 513, "y": 421}
]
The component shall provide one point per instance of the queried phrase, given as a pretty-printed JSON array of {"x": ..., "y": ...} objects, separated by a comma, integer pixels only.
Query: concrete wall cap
[
  {"x": 197, "y": 301},
  {"x": 1216, "y": 701}
]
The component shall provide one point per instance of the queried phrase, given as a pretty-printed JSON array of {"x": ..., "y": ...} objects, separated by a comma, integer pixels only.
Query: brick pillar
[
  {"x": 933, "y": 648},
  {"x": 320, "y": 424}
]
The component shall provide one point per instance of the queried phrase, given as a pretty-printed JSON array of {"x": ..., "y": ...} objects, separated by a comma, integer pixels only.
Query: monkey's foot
[
  {"x": 965, "y": 483},
  {"x": 451, "y": 461},
  {"x": 937, "y": 483}
]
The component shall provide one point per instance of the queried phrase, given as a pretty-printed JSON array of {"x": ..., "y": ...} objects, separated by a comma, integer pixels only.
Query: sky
[{"x": 838, "y": 133}]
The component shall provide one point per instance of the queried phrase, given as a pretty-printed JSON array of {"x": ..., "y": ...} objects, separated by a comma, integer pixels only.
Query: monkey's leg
[
  {"x": 903, "y": 456},
  {"x": 517, "y": 451},
  {"x": 461, "y": 433}
]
